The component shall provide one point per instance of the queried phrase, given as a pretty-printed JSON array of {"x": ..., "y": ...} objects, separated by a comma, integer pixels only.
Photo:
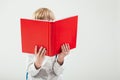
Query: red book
[{"x": 50, "y": 35}]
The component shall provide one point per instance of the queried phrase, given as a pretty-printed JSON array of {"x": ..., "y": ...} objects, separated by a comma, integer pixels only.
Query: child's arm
[
  {"x": 58, "y": 65},
  {"x": 34, "y": 63}
]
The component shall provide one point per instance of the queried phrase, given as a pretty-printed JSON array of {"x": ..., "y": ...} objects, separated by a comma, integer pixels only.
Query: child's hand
[
  {"x": 39, "y": 56},
  {"x": 65, "y": 51}
]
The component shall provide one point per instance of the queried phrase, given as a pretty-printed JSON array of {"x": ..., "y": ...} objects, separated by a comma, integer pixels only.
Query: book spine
[
  {"x": 52, "y": 39},
  {"x": 49, "y": 39}
]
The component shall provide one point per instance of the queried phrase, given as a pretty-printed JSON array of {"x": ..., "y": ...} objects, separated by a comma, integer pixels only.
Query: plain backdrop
[{"x": 97, "y": 56}]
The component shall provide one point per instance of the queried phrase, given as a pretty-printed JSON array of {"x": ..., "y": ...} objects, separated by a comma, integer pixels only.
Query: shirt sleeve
[
  {"x": 31, "y": 67},
  {"x": 58, "y": 69}
]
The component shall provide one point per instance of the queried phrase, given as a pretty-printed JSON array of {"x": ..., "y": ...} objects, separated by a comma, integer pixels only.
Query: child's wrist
[
  {"x": 36, "y": 65},
  {"x": 60, "y": 60}
]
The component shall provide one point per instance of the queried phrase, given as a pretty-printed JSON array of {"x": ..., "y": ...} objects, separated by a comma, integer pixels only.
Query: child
[{"x": 41, "y": 67}]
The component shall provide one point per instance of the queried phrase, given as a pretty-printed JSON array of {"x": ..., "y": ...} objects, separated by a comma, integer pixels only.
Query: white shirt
[{"x": 50, "y": 69}]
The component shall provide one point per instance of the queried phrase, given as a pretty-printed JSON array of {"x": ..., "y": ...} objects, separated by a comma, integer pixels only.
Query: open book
[{"x": 50, "y": 35}]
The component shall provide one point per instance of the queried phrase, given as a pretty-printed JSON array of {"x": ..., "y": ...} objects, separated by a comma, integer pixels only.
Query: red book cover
[{"x": 50, "y": 35}]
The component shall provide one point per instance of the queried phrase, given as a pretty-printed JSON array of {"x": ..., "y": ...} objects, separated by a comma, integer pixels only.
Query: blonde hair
[{"x": 43, "y": 14}]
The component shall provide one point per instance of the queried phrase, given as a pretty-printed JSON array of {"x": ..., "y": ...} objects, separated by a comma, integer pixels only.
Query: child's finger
[
  {"x": 68, "y": 47},
  {"x": 61, "y": 47},
  {"x": 42, "y": 52},
  {"x": 64, "y": 49},
  {"x": 35, "y": 50},
  {"x": 40, "y": 49}
]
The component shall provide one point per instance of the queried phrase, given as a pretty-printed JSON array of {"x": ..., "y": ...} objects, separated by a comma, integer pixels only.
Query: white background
[{"x": 97, "y": 56}]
